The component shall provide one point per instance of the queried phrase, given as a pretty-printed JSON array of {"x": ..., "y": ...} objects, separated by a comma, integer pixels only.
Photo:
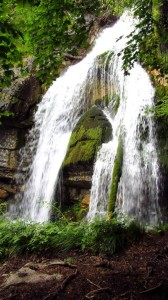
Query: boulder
[{"x": 91, "y": 131}]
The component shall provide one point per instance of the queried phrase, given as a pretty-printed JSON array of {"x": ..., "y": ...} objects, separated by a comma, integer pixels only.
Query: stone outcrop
[
  {"x": 91, "y": 131},
  {"x": 8, "y": 161},
  {"x": 20, "y": 99}
]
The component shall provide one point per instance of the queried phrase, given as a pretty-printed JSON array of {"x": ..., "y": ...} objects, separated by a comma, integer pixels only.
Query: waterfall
[
  {"x": 57, "y": 114},
  {"x": 138, "y": 186}
]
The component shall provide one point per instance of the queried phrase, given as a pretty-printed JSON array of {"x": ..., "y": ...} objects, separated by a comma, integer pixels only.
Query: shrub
[{"x": 100, "y": 236}]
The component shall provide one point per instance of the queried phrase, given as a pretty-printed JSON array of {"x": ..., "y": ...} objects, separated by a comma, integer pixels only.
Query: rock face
[
  {"x": 91, "y": 131},
  {"x": 9, "y": 147},
  {"x": 20, "y": 99}
]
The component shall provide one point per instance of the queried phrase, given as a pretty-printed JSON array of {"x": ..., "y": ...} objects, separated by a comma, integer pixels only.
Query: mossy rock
[
  {"x": 91, "y": 131},
  {"x": 116, "y": 175},
  {"x": 83, "y": 151},
  {"x": 105, "y": 58}
]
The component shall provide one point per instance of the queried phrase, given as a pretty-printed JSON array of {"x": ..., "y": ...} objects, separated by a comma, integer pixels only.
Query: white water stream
[
  {"x": 138, "y": 187},
  {"x": 59, "y": 112}
]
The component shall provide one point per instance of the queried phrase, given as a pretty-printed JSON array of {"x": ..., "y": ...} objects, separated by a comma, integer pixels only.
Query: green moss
[
  {"x": 91, "y": 119},
  {"x": 83, "y": 151},
  {"x": 116, "y": 103},
  {"x": 117, "y": 170},
  {"x": 95, "y": 133},
  {"x": 83, "y": 134},
  {"x": 102, "y": 57},
  {"x": 107, "y": 62},
  {"x": 77, "y": 136},
  {"x": 105, "y": 58},
  {"x": 90, "y": 132},
  {"x": 106, "y": 100}
]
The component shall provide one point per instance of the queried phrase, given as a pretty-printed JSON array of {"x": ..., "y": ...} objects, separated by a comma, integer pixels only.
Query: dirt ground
[{"x": 138, "y": 272}]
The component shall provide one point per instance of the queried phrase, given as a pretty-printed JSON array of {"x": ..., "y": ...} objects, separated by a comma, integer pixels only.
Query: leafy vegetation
[
  {"x": 99, "y": 236},
  {"x": 147, "y": 43},
  {"x": 47, "y": 30},
  {"x": 43, "y": 29},
  {"x": 5, "y": 114},
  {"x": 161, "y": 99},
  {"x": 9, "y": 33},
  {"x": 75, "y": 212}
]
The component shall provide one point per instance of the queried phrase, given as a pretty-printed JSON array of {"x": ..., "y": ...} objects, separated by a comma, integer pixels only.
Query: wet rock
[
  {"x": 81, "y": 178},
  {"x": 23, "y": 94},
  {"x": 91, "y": 131},
  {"x": 8, "y": 138}
]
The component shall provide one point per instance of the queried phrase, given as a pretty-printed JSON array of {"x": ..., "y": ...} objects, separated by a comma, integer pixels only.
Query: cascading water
[
  {"x": 138, "y": 187},
  {"x": 59, "y": 112}
]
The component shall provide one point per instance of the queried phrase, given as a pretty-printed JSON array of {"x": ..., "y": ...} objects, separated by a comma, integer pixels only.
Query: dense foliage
[
  {"x": 51, "y": 28},
  {"x": 97, "y": 237},
  {"x": 8, "y": 50},
  {"x": 141, "y": 39},
  {"x": 48, "y": 30}
]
